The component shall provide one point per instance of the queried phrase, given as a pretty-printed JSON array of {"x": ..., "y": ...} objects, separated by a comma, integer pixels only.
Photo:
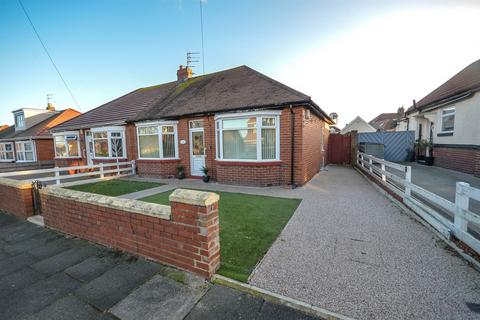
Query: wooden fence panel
[{"x": 339, "y": 149}]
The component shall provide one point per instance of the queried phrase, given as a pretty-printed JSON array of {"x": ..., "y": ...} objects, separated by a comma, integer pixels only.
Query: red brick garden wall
[
  {"x": 16, "y": 198},
  {"x": 189, "y": 240},
  {"x": 460, "y": 159}
]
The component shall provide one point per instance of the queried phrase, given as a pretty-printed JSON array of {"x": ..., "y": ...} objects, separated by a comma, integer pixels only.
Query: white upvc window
[
  {"x": 25, "y": 151},
  {"x": 157, "y": 140},
  {"x": 250, "y": 136},
  {"x": 109, "y": 142},
  {"x": 19, "y": 120},
  {"x": 67, "y": 144},
  {"x": 448, "y": 120},
  {"x": 6, "y": 152}
]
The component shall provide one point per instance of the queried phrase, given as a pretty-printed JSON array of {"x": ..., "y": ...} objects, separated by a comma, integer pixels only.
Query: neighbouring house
[
  {"x": 448, "y": 118},
  {"x": 28, "y": 143},
  {"x": 387, "y": 121},
  {"x": 3, "y": 127},
  {"x": 244, "y": 126},
  {"x": 359, "y": 125}
]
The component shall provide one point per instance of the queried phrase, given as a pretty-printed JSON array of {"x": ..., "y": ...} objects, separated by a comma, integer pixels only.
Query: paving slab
[
  {"x": 71, "y": 308},
  {"x": 18, "y": 231},
  {"x": 55, "y": 247},
  {"x": 6, "y": 219},
  {"x": 15, "y": 263},
  {"x": 91, "y": 267},
  {"x": 162, "y": 298},
  {"x": 350, "y": 250},
  {"x": 39, "y": 239},
  {"x": 65, "y": 259},
  {"x": 115, "y": 284},
  {"x": 19, "y": 280},
  {"x": 36, "y": 297}
]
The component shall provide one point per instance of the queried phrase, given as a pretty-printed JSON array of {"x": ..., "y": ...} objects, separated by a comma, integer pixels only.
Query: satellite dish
[{"x": 333, "y": 116}]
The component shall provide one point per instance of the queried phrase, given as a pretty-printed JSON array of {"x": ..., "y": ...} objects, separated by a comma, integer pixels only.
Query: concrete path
[
  {"x": 46, "y": 275},
  {"x": 348, "y": 249}
]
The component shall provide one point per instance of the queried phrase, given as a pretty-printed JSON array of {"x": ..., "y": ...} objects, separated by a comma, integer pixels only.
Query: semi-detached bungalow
[{"x": 244, "y": 126}]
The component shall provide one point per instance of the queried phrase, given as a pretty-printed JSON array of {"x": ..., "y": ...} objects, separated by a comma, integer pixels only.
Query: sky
[{"x": 352, "y": 57}]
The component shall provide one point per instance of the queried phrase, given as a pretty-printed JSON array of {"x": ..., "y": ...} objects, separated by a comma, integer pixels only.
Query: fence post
[
  {"x": 461, "y": 205},
  {"x": 361, "y": 162},
  {"x": 133, "y": 167},
  {"x": 408, "y": 179},
  {"x": 57, "y": 175},
  {"x": 370, "y": 163},
  {"x": 384, "y": 177},
  {"x": 101, "y": 171}
]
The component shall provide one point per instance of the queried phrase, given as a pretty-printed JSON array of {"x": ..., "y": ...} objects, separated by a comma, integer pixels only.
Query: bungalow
[
  {"x": 387, "y": 121},
  {"x": 28, "y": 143},
  {"x": 359, "y": 125},
  {"x": 448, "y": 117},
  {"x": 244, "y": 126}
]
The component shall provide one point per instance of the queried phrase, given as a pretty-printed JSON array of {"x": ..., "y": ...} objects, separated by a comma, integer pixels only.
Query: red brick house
[
  {"x": 244, "y": 126},
  {"x": 28, "y": 143}
]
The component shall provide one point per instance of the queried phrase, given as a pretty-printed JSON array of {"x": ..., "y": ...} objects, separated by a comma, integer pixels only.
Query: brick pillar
[
  {"x": 16, "y": 197},
  {"x": 197, "y": 212}
]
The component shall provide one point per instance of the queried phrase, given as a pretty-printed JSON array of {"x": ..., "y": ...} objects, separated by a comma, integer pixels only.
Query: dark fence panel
[{"x": 396, "y": 144}]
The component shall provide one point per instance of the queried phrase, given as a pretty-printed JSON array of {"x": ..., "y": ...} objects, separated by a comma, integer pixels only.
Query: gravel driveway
[{"x": 350, "y": 250}]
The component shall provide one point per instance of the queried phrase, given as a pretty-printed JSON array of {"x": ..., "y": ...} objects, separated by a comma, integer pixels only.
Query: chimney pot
[{"x": 184, "y": 73}]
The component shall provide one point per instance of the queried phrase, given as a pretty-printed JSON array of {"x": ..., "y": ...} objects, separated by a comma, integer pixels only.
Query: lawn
[
  {"x": 115, "y": 187},
  {"x": 249, "y": 224}
]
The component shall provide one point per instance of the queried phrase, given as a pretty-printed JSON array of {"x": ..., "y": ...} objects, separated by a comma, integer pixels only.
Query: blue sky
[{"x": 352, "y": 57}]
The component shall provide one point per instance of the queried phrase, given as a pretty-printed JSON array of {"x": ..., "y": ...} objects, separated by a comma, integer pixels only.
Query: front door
[
  {"x": 89, "y": 147},
  {"x": 197, "y": 147}
]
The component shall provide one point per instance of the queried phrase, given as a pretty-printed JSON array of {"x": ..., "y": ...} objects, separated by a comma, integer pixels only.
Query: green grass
[
  {"x": 249, "y": 224},
  {"x": 115, "y": 187}
]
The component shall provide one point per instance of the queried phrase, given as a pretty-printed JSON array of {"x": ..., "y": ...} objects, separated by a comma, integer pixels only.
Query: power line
[
  {"x": 49, "y": 56},
  {"x": 201, "y": 30}
]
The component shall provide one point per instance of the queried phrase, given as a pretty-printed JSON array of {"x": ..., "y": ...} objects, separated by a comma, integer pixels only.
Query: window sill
[
  {"x": 445, "y": 134},
  {"x": 248, "y": 163},
  {"x": 10, "y": 160},
  {"x": 151, "y": 160},
  {"x": 67, "y": 158},
  {"x": 109, "y": 158},
  {"x": 25, "y": 161}
]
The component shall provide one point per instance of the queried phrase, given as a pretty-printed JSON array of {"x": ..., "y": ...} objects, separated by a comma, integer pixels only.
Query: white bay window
[
  {"x": 157, "y": 140},
  {"x": 67, "y": 145},
  {"x": 6, "y": 151},
  {"x": 108, "y": 142},
  {"x": 248, "y": 137}
]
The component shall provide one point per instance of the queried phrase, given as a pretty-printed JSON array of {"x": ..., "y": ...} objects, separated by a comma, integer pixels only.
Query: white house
[
  {"x": 449, "y": 117},
  {"x": 359, "y": 125}
]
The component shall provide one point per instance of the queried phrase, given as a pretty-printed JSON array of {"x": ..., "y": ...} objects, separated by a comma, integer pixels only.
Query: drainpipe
[{"x": 292, "y": 154}]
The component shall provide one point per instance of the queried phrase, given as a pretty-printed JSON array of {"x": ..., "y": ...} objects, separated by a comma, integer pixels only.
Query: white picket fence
[
  {"x": 426, "y": 203},
  {"x": 59, "y": 174}
]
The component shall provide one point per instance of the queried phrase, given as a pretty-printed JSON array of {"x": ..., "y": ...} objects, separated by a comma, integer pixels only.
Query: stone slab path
[{"x": 45, "y": 275}]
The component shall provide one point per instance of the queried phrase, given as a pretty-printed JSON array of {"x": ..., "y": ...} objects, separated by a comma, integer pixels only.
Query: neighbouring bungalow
[
  {"x": 387, "y": 121},
  {"x": 359, "y": 125},
  {"x": 244, "y": 126},
  {"x": 449, "y": 118},
  {"x": 28, "y": 143}
]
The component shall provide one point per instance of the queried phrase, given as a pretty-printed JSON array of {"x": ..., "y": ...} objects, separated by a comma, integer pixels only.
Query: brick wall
[
  {"x": 185, "y": 235},
  {"x": 16, "y": 198},
  {"x": 460, "y": 159}
]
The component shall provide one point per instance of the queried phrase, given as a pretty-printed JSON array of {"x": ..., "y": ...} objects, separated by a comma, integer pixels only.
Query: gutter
[{"x": 292, "y": 149}]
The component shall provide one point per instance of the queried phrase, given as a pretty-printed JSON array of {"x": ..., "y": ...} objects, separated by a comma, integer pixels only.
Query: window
[
  {"x": 25, "y": 151},
  {"x": 19, "y": 120},
  {"x": 248, "y": 138},
  {"x": 109, "y": 142},
  {"x": 6, "y": 152},
  {"x": 448, "y": 119},
  {"x": 157, "y": 141},
  {"x": 67, "y": 145}
]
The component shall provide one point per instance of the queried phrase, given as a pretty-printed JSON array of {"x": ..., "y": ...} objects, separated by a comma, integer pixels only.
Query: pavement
[{"x": 47, "y": 275}]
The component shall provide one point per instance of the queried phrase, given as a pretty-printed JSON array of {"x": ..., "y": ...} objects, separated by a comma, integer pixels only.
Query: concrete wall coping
[
  {"x": 15, "y": 183},
  {"x": 194, "y": 197},
  {"x": 150, "y": 209}
]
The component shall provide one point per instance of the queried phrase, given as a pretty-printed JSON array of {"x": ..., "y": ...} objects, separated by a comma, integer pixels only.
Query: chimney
[
  {"x": 401, "y": 112},
  {"x": 183, "y": 73},
  {"x": 50, "y": 104}
]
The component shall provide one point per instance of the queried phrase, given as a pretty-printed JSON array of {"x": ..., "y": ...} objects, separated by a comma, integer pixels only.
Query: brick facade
[
  {"x": 16, "y": 198},
  {"x": 460, "y": 159},
  {"x": 307, "y": 152},
  {"x": 187, "y": 239}
]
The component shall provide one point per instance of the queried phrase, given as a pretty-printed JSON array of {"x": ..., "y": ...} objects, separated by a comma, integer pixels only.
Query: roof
[
  {"x": 465, "y": 82},
  {"x": 229, "y": 90},
  {"x": 41, "y": 129},
  {"x": 385, "y": 121},
  {"x": 358, "y": 120}
]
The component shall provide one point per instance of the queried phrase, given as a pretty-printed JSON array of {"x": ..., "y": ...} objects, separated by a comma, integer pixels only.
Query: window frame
[
  {"x": 451, "y": 111},
  {"x": 159, "y": 125},
  {"x": 65, "y": 134},
  {"x": 258, "y": 126},
  {"x": 22, "y": 115},
  {"x": 5, "y": 151},
  {"x": 23, "y": 143},
  {"x": 109, "y": 131}
]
